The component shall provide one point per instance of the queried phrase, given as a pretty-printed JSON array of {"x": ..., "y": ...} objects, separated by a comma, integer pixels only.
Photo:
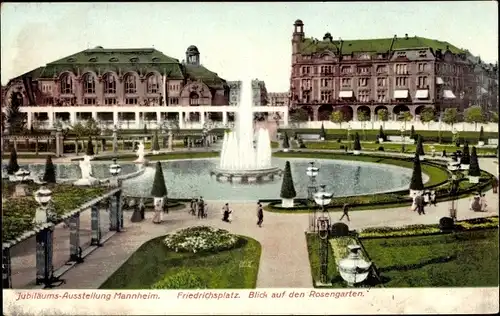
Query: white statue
[
  {"x": 86, "y": 169},
  {"x": 140, "y": 153}
]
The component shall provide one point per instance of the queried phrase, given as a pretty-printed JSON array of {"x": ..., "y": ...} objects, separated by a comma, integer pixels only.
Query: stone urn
[
  {"x": 480, "y": 143},
  {"x": 380, "y": 140},
  {"x": 356, "y": 152},
  {"x": 354, "y": 269}
]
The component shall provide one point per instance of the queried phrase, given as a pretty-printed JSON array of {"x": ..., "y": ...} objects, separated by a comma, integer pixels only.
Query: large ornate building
[
  {"x": 122, "y": 77},
  {"x": 279, "y": 98},
  {"x": 399, "y": 74}
]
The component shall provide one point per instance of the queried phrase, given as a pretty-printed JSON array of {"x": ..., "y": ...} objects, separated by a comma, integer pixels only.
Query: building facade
[
  {"x": 259, "y": 92},
  {"x": 399, "y": 74},
  {"x": 279, "y": 98},
  {"x": 101, "y": 79},
  {"x": 484, "y": 84}
]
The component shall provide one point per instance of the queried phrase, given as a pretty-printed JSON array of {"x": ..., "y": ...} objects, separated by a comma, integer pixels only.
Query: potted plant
[
  {"x": 416, "y": 182},
  {"x": 286, "y": 143},
  {"x": 155, "y": 147},
  {"x": 287, "y": 187},
  {"x": 356, "y": 145},
  {"x": 480, "y": 143},
  {"x": 474, "y": 170},
  {"x": 322, "y": 132},
  {"x": 420, "y": 147}
]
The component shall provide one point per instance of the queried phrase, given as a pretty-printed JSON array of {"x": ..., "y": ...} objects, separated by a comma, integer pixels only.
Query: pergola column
[{"x": 224, "y": 117}]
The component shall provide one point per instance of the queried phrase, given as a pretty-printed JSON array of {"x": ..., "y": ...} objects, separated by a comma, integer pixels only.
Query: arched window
[
  {"x": 153, "y": 84},
  {"x": 130, "y": 84},
  {"x": 66, "y": 84},
  {"x": 109, "y": 83},
  {"x": 194, "y": 99},
  {"x": 88, "y": 83}
]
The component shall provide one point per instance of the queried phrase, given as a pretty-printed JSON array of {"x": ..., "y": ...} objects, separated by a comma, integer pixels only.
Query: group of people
[
  {"x": 198, "y": 207},
  {"x": 227, "y": 214},
  {"x": 478, "y": 203},
  {"x": 420, "y": 201}
]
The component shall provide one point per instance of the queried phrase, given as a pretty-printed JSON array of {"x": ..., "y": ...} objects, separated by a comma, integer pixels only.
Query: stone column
[
  {"x": 158, "y": 118},
  {"x": 137, "y": 122},
  {"x": 44, "y": 243},
  {"x": 113, "y": 214},
  {"x": 224, "y": 117},
  {"x": 6, "y": 268},
  {"x": 50, "y": 114},
  {"x": 29, "y": 114},
  {"x": 181, "y": 119},
  {"x": 72, "y": 117},
  {"x": 95, "y": 226},
  {"x": 94, "y": 115},
  {"x": 74, "y": 238},
  {"x": 170, "y": 141},
  {"x": 115, "y": 139},
  {"x": 59, "y": 143},
  {"x": 115, "y": 117},
  {"x": 202, "y": 118},
  {"x": 285, "y": 118}
]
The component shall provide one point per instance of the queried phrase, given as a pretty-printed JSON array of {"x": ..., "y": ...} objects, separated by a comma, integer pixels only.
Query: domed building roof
[
  {"x": 192, "y": 49},
  {"x": 299, "y": 22}
]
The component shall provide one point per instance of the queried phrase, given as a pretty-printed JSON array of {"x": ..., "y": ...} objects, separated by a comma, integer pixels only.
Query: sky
[{"x": 236, "y": 40}]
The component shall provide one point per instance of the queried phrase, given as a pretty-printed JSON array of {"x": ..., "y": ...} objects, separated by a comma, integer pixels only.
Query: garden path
[{"x": 284, "y": 260}]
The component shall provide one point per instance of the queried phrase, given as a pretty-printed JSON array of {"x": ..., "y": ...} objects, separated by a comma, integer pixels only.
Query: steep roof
[
  {"x": 380, "y": 45},
  {"x": 205, "y": 75}
]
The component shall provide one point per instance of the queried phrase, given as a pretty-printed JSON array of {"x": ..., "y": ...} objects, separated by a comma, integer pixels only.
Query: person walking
[
  {"x": 494, "y": 184},
  {"x": 345, "y": 210},
  {"x": 225, "y": 213},
  {"x": 201, "y": 207},
  {"x": 192, "y": 208},
  {"x": 260, "y": 214},
  {"x": 433, "y": 198}
]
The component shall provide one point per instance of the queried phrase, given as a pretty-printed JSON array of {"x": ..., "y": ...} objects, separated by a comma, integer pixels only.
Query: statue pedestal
[{"x": 86, "y": 182}]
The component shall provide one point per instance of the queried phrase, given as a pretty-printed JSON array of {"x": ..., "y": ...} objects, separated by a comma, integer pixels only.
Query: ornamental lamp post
[
  {"x": 323, "y": 226},
  {"x": 403, "y": 130},
  {"x": 453, "y": 194},
  {"x": 43, "y": 196},
  {"x": 312, "y": 172},
  {"x": 115, "y": 169}
]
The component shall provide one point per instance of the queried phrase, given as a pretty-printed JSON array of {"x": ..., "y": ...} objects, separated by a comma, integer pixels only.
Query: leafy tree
[
  {"x": 357, "y": 144},
  {"x": 90, "y": 147},
  {"x": 322, "y": 132},
  {"x": 50, "y": 171},
  {"x": 475, "y": 115},
  {"x": 412, "y": 133},
  {"x": 338, "y": 117},
  {"x": 474, "y": 169},
  {"x": 383, "y": 115},
  {"x": 287, "y": 187},
  {"x": 299, "y": 115},
  {"x": 427, "y": 115},
  {"x": 159, "y": 188},
  {"x": 16, "y": 118},
  {"x": 465, "y": 160},
  {"x": 13, "y": 166},
  {"x": 381, "y": 134},
  {"x": 450, "y": 116},
  {"x": 420, "y": 146},
  {"x": 87, "y": 129},
  {"x": 481, "y": 134},
  {"x": 286, "y": 141},
  {"x": 416, "y": 182},
  {"x": 405, "y": 116},
  {"x": 156, "y": 144},
  {"x": 494, "y": 117}
]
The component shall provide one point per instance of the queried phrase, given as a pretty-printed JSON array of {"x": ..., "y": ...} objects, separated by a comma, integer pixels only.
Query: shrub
[
  {"x": 481, "y": 134},
  {"x": 156, "y": 144},
  {"x": 145, "y": 129},
  {"x": 339, "y": 140},
  {"x": 50, "y": 171},
  {"x": 446, "y": 223},
  {"x": 412, "y": 133},
  {"x": 420, "y": 147},
  {"x": 159, "y": 188},
  {"x": 90, "y": 147},
  {"x": 287, "y": 187},
  {"x": 339, "y": 230},
  {"x": 465, "y": 160},
  {"x": 322, "y": 132},
  {"x": 381, "y": 148},
  {"x": 474, "y": 169},
  {"x": 357, "y": 144},
  {"x": 181, "y": 280},
  {"x": 416, "y": 182},
  {"x": 200, "y": 239},
  {"x": 13, "y": 166}
]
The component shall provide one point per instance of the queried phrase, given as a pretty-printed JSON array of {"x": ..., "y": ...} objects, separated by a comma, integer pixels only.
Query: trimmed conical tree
[
  {"x": 156, "y": 145},
  {"x": 286, "y": 141},
  {"x": 466, "y": 158},
  {"x": 412, "y": 133},
  {"x": 420, "y": 146},
  {"x": 159, "y": 188},
  {"x": 322, "y": 132},
  {"x": 145, "y": 129},
  {"x": 357, "y": 144},
  {"x": 13, "y": 166},
  {"x": 474, "y": 169},
  {"x": 90, "y": 147},
  {"x": 50, "y": 171},
  {"x": 381, "y": 133},
  {"x": 416, "y": 182},
  {"x": 481, "y": 135},
  {"x": 287, "y": 188}
]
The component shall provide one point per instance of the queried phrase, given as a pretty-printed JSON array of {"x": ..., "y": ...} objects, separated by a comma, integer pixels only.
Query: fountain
[
  {"x": 140, "y": 154},
  {"x": 240, "y": 159},
  {"x": 86, "y": 168}
]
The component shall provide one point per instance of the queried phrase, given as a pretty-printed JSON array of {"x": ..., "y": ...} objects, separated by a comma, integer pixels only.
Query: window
[
  {"x": 401, "y": 54},
  {"x": 109, "y": 84},
  {"x": 326, "y": 96},
  {"x": 381, "y": 82},
  {"x": 421, "y": 67},
  {"x": 381, "y": 69},
  {"x": 306, "y": 83},
  {"x": 306, "y": 70},
  {"x": 364, "y": 96},
  {"x": 306, "y": 96},
  {"x": 422, "y": 82},
  {"x": 346, "y": 69},
  {"x": 364, "y": 70},
  {"x": 381, "y": 96},
  {"x": 46, "y": 88},
  {"x": 401, "y": 69},
  {"x": 47, "y": 101},
  {"x": 401, "y": 81},
  {"x": 153, "y": 85},
  {"x": 66, "y": 84},
  {"x": 326, "y": 70},
  {"x": 194, "y": 99},
  {"x": 174, "y": 101},
  {"x": 325, "y": 83},
  {"x": 110, "y": 101},
  {"x": 131, "y": 101},
  {"x": 88, "y": 83},
  {"x": 130, "y": 84},
  {"x": 89, "y": 101},
  {"x": 363, "y": 82},
  {"x": 422, "y": 54},
  {"x": 346, "y": 82}
]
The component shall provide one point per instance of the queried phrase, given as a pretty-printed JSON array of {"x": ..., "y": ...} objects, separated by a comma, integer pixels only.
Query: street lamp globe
[
  {"x": 322, "y": 197},
  {"x": 43, "y": 196},
  {"x": 115, "y": 168},
  {"x": 22, "y": 174},
  {"x": 312, "y": 171}
]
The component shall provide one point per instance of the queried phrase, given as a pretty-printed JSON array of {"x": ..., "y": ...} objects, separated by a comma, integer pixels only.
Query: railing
[{"x": 41, "y": 256}]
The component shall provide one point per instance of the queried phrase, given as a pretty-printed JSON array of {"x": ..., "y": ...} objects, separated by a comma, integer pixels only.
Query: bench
[{"x": 399, "y": 139}]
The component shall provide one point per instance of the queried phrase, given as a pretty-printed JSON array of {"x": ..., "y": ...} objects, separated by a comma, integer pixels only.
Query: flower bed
[
  {"x": 422, "y": 230},
  {"x": 200, "y": 239}
]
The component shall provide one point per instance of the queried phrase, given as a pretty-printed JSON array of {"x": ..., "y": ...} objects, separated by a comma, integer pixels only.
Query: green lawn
[
  {"x": 465, "y": 259},
  {"x": 232, "y": 269}
]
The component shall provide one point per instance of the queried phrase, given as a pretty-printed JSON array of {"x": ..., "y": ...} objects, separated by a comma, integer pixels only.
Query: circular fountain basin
[{"x": 246, "y": 176}]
